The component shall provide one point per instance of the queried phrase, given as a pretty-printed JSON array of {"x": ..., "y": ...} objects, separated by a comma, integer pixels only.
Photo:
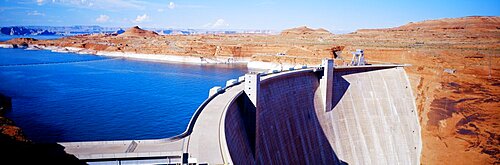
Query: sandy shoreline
[
  {"x": 132, "y": 55},
  {"x": 259, "y": 65},
  {"x": 174, "y": 58},
  {"x": 273, "y": 66},
  {"x": 6, "y": 46}
]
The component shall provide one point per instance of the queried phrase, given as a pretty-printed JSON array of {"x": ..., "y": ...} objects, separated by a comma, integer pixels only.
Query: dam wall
[
  {"x": 240, "y": 131},
  {"x": 370, "y": 118},
  {"x": 373, "y": 120},
  {"x": 287, "y": 128}
]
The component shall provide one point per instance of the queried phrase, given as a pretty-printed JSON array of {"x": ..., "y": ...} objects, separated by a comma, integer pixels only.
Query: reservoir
[{"x": 61, "y": 97}]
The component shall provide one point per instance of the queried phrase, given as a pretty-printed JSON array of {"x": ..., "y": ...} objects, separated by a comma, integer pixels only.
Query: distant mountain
[
  {"x": 474, "y": 24},
  {"x": 75, "y": 30},
  {"x": 55, "y": 30},
  {"x": 303, "y": 30},
  {"x": 24, "y": 31},
  {"x": 138, "y": 32},
  {"x": 469, "y": 23}
]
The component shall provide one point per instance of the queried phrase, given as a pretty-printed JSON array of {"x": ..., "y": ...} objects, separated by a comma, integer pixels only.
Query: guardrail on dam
[{"x": 325, "y": 115}]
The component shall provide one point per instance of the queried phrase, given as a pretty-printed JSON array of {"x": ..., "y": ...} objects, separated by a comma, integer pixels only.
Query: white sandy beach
[
  {"x": 256, "y": 65},
  {"x": 6, "y": 46},
  {"x": 272, "y": 66},
  {"x": 174, "y": 58}
]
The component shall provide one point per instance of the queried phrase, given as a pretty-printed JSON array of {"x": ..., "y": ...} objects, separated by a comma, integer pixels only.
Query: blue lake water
[{"x": 68, "y": 97}]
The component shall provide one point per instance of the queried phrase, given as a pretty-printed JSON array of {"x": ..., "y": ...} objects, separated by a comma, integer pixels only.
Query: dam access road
[{"x": 323, "y": 115}]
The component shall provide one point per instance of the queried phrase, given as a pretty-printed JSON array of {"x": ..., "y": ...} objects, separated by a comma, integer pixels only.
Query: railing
[
  {"x": 198, "y": 111},
  {"x": 263, "y": 74},
  {"x": 130, "y": 156}
]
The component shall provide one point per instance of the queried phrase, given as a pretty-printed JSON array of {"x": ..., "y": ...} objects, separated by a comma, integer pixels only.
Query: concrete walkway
[
  {"x": 205, "y": 142},
  {"x": 125, "y": 149}
]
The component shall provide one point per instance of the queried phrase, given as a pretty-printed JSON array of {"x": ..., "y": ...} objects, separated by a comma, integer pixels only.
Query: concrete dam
[{"x": 322, "y": 115}]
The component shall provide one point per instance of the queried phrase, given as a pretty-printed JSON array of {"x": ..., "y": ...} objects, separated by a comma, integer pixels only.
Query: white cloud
[
  {"x": 36, "y": 13},
  {"x": 141, "y": 18},
  {"x": 39, "y": 2},
  {"x": 220, "y": 23},
  {"x": 171, "y": 5},
  {"x": 102, "y": 18},
  {"x": 160, "y": 10}
]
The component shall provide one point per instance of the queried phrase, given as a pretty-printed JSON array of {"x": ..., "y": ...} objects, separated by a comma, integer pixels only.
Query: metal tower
[{"x": 358, "y": 58}]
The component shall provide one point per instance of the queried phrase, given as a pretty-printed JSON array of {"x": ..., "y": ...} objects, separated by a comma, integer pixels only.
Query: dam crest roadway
[{"x": 322, "y": 115}]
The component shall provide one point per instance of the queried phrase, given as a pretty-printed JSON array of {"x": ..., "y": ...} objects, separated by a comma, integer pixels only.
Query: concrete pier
[
  {"x": 326, "y": 84},
  {"x": 214, "y": 90},
  {"x": 329, "y": 115},
  {"x": 252, "y": 87}
]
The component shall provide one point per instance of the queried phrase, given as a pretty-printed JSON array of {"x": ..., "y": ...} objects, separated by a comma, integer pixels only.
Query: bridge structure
[{"x": 321, "y": 115}]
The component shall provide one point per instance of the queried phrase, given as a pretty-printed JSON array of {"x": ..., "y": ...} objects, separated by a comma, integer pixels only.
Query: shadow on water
[
  {"x": 33, "y": 153},
  {"x": 5, "y": 104},
  {"x": 14, "y": 147},
  {"x": 51, "y": 133}
]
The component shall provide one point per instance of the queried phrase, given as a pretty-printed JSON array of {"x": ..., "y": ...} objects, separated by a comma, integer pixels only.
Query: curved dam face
[
  {"x": 366, "y": 116},
  {"x": 327, "y": 115}
]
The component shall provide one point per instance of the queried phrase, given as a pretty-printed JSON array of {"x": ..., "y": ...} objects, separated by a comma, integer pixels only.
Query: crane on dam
[{"x": 358, "y": 58}]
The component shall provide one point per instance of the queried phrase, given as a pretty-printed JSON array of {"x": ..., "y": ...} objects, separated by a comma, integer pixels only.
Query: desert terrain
[
  {"x": 454, "y": 72},
  {"x": 455, "y": 76}
]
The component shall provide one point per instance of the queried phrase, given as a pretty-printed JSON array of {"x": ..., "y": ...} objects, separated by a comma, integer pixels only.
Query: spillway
[{"x": 324, "y": 115}]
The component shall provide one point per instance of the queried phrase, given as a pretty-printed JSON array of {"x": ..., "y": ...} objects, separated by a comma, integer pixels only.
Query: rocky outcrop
[
  {"x": 470, "y": 23},
  {"x": 304, "y": 30},
  {"x": 8, "y": 129},
  {"x": 21, "y": 42},
  {"x": 138, "y": 32}
]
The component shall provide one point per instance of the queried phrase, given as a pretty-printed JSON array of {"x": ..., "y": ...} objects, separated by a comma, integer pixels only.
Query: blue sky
[{"x": 334, "y": 15}]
